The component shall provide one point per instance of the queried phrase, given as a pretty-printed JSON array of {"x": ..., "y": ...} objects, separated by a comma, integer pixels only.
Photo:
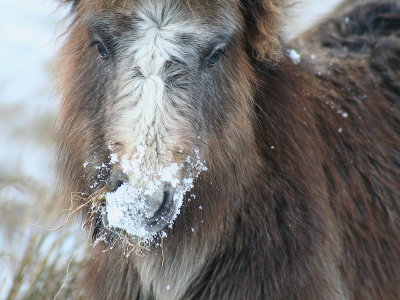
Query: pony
[{"x": 243, "y": 166}]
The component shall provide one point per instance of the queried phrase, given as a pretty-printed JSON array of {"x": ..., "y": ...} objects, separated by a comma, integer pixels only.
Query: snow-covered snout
[{"x": 146, "y": 195}]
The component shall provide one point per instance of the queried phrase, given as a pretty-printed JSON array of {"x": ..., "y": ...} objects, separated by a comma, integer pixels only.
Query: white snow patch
[
  {"x": 294, "y": 56},
  {"x": 168, "y": 174},
  {"x": 128, "y": 207},
  {"x": 114, "y": 158}
]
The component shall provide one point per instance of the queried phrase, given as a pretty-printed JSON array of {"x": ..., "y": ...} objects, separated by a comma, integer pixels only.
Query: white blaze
[{"x": 144, "y": 116}]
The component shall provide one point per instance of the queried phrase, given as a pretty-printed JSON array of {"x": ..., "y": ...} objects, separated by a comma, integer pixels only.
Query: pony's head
[{"x": 154, "y": 92}]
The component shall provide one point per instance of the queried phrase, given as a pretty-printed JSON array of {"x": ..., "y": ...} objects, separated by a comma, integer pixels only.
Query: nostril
[
  {"x": 166, "y": 195},
  {"x": 165, "y": 205},
  {"x": 117, "y": 180},
  {"x": 118, "y": 183}
]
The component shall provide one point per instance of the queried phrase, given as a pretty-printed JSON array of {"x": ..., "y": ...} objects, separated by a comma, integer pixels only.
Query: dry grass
[
  {"x": 41, "y": 273},
  {"x": 42, "y": 249},
  {"x": 35, "y": 262},
  {"x": 39, "y": 263}
]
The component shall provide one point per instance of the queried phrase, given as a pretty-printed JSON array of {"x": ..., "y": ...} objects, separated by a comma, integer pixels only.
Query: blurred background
[{"x": 37, "y": 261}]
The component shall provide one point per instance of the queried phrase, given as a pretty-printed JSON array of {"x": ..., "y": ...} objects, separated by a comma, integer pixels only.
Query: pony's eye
[
  {"x": 101, "y": 49},
  {"x": 214, "y": 58}
]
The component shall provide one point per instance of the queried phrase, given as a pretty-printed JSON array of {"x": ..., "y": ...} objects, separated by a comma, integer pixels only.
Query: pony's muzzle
[{"x": 159, "y": 206}]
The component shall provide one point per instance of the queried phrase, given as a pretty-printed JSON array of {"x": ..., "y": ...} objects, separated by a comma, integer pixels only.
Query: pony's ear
[{"x": 263, "y": 27}]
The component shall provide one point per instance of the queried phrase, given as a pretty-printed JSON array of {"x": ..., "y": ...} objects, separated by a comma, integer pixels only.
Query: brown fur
[{"x": 301, "y": 201}]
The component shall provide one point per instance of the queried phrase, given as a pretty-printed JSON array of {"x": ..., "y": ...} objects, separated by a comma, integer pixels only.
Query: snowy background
[{"x": 29, "y": 37}]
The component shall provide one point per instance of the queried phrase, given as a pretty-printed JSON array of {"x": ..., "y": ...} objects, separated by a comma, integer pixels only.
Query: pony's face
[{"x": 149, "y": 87}]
